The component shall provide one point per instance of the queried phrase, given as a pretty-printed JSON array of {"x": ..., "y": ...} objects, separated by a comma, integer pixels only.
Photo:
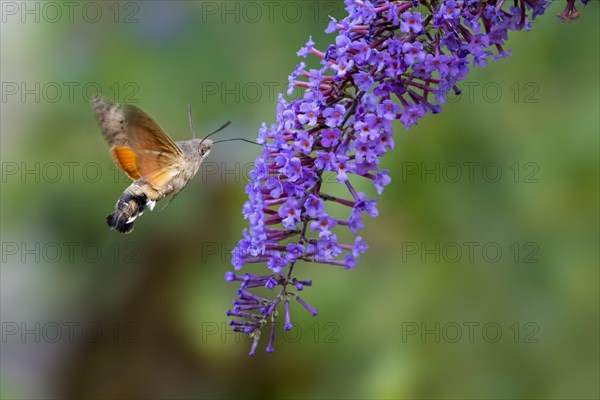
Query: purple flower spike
[{"x": 387, "y": 62}]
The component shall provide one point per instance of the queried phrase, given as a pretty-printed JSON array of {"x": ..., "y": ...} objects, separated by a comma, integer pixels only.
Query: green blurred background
[{"x": 87, "y": 312}]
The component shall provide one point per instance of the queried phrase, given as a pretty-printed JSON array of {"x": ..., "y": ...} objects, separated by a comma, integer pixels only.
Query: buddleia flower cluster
[{"x": 391, "y": 61}]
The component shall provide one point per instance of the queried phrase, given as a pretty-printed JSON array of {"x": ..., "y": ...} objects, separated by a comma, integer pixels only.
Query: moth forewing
[
  {"x": 111, "y": 118},
  {"x": 159, "y": 159}
]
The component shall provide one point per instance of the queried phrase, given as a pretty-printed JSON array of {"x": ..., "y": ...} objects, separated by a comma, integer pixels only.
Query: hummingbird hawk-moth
[{"x": 157, "y": 165}]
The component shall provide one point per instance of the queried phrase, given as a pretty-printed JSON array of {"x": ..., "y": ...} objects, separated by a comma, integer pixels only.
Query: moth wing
[
  {"x": 126, "y": 158},
  {"x": 158, "y": 158},
  {"x": 111, "y": 118}
]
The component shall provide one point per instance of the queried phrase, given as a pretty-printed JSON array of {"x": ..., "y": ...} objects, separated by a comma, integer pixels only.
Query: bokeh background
[{"x": 88, "y": 313}]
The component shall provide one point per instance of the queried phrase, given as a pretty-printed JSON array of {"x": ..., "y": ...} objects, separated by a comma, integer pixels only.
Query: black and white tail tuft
[{"x": 128, "y": 208}]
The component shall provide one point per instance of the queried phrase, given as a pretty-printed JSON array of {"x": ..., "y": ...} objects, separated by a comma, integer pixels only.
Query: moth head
[{"x": 205, "y": 147}]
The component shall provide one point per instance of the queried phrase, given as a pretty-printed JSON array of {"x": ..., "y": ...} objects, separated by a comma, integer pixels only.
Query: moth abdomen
[{"x": 132, "y": 203}]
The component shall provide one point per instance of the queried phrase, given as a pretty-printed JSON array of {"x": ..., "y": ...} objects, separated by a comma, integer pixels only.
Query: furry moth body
[{"x": 158, "y": 166}]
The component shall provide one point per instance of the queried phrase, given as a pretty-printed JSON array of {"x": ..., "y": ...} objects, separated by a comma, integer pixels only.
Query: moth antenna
[
  {"x": 242, "y": 139},
  {"x": 191, "y": 122},
  {"x": 215, "y": 131}
]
